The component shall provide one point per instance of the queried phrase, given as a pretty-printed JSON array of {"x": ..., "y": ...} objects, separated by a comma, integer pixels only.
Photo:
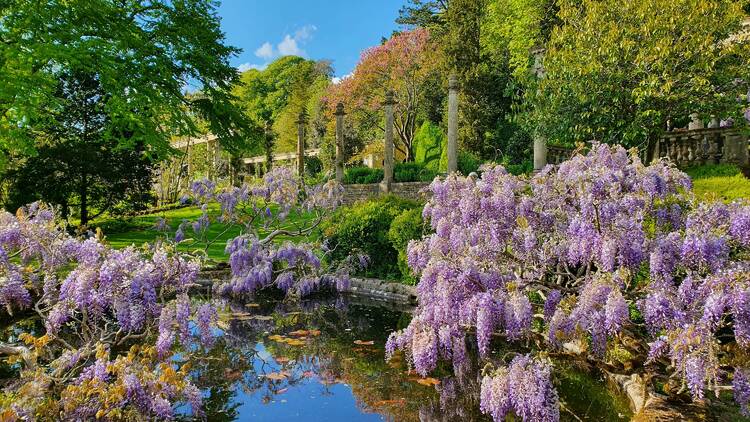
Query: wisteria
[
  {"x": 93, "y": 299},
  {"x": 524, "y": 388},
  {"x": 605, "y": 241},
  {"x": 263, "y": 213}
]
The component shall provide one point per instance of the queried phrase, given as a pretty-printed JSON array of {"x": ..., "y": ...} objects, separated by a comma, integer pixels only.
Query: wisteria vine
[
  {"x": 601, "y": 254},
  {"x": 113, "y": 319}
]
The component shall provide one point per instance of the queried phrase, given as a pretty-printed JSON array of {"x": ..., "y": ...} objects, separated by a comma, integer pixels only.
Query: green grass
[
  {"x": 719, "y": 182},
  {"x": 121, "y": 233}
]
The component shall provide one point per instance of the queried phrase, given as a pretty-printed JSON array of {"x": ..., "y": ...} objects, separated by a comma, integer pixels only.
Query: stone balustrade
[
  {"x": 558, "y": 154},
  {"x": 703, "y": 146},
  {"x": 361, "y": 192}
]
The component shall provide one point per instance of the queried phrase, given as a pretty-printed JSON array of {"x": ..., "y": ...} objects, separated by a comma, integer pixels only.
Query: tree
[
  {"x": 602, "y": 257},
  {"x": 423, "y": 14},
  {"x": 406, "y": 64},
  {"x": 617, "y": 72},
  {"x": 144, "y": 54},
  {"x": 78, "y": 164},
  {"x": 273, "y": 97}
]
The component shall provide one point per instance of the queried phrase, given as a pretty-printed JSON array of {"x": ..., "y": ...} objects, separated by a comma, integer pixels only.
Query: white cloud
[
  {"x": 336, "y": 80},
  {"x": 265, "y": 51},
  {"x": 247, "y": 66},
  {"x": 288, "y": 47},
  {"x": 305, "y": 33}
]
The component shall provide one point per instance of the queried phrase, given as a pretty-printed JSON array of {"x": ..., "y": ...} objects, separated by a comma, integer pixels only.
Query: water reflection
[{"x": 323, "y": 360}]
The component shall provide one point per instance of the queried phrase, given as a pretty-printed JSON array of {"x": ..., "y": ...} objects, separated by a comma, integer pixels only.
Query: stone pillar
[
  {"x": 268, "y": 146},
  {"x": 301, "y": 122},
  {"x": 540, "y": 153},
  {"x": 388, "y": 150},
  {"x": 340, "y": 142},
  {"x": 452, "y": 124}
]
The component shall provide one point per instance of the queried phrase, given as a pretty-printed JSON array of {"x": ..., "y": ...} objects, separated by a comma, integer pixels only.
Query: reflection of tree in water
[{"x": 238, "y": 363}]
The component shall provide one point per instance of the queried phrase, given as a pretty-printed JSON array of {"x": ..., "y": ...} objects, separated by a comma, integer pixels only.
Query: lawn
[
  {"x": 725, "y": 182},
  {"x": 121, "y": 233}
]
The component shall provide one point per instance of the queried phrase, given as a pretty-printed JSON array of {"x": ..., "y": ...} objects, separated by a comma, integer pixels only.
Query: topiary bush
[
  {"x": 362, "y": 175},
  {"x": 407, "y": 226},
  {"x": 362, "y": 228}
]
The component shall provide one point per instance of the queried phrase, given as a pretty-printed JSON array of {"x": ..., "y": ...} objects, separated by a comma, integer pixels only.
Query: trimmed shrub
[
  {"x": 363, "y": 228},
  {"x": 405, "y": 227},
  {"x": 429, "y": 144},
  {"x": 468, "y": 162},
  {"x": 362, "y": 175},
  {"x": 412, "y": 172}
]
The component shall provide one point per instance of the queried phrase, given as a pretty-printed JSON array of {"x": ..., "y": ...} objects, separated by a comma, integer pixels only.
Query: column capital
[
  {"x": 453, "y": 82},
  {"x": 301, "y": 118},
  {"x": 339, "y": 110},
  {"x": 389, "y": 98}
]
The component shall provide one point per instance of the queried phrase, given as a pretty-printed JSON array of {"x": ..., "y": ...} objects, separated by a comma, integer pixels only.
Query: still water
[{"x": 323, "y": 360}]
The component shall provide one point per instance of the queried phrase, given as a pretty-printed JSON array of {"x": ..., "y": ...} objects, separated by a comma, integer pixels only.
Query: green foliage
[
  {"x": 719, "y": 182},
  {"x": 362, "y": 175},
  {"x": 143, "y": 53},
  {"x": 412, "y": 172},
  {"x": 468, "y": 162},
  {"x": 363, "y": 228},
  {"x": 405, "y": 227},
  {"x": 525, "y": 167},
  {"x": 430, "y": 142},
  {"x": 712, "y": 170},
  {"x": 618, "y": 71},
  {"x": 277, "y": 94},
  {"x": 77, "y": 166}
]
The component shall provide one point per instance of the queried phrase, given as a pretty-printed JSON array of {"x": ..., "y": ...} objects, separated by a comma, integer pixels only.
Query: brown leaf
[
  {"x": 276, "y": 376},
  {"x": 364, "y": 343}
]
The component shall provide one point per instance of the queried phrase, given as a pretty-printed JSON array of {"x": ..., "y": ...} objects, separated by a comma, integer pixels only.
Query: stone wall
[{"x": 408, "y": 190}]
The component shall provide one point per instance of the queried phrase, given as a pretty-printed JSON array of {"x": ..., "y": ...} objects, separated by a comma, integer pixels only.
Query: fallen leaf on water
[
  {"x": 262, "y": 317},
  {"x": 282, "y": 391},
  {"x": 277, "y": 338},
  {"x": 314, "y": 333},
  {"x": 389, "y": 402},
  {"x": 428, "y": 381},
  {"x": 364, "y": 343},
  {"x": 282, "y": 359},
  {"x": 276, "y": 376},
  {"x": 295, "y": 342},
  {"x": 299, "y": 333}
]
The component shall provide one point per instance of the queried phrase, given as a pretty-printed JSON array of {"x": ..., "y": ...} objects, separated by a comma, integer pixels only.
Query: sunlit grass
[
  {"x": 121, "y": 233},
  {"x": 719, "y": 182}
]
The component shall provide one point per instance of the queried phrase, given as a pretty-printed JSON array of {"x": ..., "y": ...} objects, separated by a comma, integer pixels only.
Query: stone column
[
  {"x": 301, "y": 122},
  {"x": 385, "y": 186},
  {"x": 268, "y": 147},
  {"x": 452, "y": 124},
  {"x": 540, "y": 153},
  {"x": 340, "y": 142}
]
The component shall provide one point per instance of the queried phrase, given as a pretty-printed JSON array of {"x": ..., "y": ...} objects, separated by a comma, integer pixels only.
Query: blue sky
[{"x": 316, "y": 29}]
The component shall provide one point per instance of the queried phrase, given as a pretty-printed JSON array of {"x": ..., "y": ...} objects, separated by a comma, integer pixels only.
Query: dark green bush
[
  {"x": 362, "y": 175},
  {"x": 468, "y": 162},
  {"x": 363, "y": 228},
  {"x": 525, "y": 167},
  {"x": 405, "y": 227},
  {"x": 713, "y": 170},
  {"x": 412, "y": 172}
]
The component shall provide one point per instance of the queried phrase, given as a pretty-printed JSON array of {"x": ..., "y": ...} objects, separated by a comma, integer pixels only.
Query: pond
[{"x": 323, "y": 360}]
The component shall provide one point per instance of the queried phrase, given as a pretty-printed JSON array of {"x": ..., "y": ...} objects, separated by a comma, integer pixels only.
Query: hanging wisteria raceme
[
  {"x": 264, "y": 213},
  {"x": 93, "y": 299},
  {"x": 577, "y": 255}
]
